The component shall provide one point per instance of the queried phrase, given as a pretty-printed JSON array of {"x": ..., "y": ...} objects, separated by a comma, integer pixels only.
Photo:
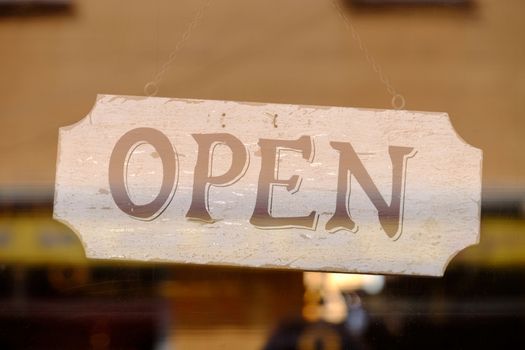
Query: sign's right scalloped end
[
  {"x": 460, "y": 138},
  {"x": 456, "y": 253}
]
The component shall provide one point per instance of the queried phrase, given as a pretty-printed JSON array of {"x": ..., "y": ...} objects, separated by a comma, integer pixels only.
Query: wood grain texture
[{"x": 442, "y": 189}]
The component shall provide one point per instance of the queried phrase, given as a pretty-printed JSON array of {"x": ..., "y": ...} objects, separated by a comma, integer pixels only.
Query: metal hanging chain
[
  {"x": 152, "y": 88},
  {"x": 398, "y": 101}
]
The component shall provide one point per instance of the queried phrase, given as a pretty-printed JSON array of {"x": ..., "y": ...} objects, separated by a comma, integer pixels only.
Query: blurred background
[{"x": 461, "y": 57}]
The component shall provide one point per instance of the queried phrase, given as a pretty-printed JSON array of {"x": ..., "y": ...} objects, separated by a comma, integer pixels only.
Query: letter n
[{"x": 390, "y": 215}]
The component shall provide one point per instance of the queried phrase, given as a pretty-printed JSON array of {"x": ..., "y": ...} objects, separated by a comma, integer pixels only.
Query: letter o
[{"x": 118, "y": 164}]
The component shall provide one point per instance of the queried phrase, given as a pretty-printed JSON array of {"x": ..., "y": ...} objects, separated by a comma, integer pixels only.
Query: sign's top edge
[{"x": 196, "y": 100}]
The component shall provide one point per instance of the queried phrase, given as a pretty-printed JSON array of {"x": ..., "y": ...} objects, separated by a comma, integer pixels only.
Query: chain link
[
  {"x": 152, "y": 88},
  {"x": 398, "y": 101}
]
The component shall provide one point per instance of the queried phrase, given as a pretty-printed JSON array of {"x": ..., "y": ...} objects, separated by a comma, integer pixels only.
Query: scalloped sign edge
[{"x": 268, "y": 185}]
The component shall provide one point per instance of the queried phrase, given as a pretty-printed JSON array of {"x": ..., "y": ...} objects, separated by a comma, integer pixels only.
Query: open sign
[{"x": 321, "y": 188}]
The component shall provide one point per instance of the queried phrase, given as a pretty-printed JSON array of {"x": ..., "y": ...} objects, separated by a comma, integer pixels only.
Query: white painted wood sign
[{"x": 268, "y": 185}]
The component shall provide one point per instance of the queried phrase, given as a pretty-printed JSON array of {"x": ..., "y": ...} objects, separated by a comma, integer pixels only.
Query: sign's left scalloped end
[{"x": 63, "y": 130}]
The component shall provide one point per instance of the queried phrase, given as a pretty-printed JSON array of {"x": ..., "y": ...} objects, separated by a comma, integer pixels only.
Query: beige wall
[{"x": 467, "y": 62}]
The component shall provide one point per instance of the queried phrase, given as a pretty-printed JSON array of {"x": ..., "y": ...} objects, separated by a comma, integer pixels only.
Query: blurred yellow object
[
  {"x": 31, "y": 239},
  {"x": 502, "y": 244}
]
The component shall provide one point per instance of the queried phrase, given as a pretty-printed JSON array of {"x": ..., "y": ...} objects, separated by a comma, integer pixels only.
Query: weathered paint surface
[{"x": 440, "y": 202}]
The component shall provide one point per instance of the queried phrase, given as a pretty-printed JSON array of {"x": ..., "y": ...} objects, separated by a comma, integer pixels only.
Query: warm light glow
[
  {"x": 330, "y": 288},
  {"x": 372, "y": 284}
]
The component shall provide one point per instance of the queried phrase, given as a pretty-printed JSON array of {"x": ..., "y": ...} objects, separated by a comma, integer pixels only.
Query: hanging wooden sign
[{"x": 268, "y": 185}]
